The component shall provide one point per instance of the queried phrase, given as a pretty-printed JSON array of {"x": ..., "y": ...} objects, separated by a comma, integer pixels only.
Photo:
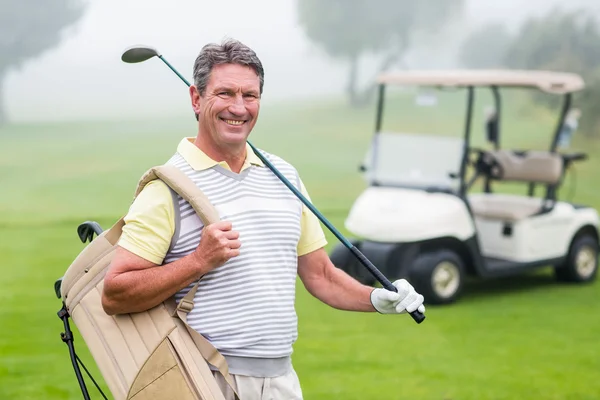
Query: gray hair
[{"x": 230, "y": 51}]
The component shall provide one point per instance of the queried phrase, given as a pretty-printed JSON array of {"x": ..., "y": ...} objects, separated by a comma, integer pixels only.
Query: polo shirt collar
[{"x": 199, "y": 161}]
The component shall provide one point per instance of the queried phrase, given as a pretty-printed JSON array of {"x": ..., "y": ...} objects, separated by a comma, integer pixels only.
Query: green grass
[{"x": 518, "y": 338}]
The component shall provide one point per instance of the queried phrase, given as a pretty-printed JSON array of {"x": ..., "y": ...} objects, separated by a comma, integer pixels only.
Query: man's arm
[
  {"x": 331, "y": 285},
  {"x": 134, "y": 284},
  {"x": 337, "y": 289},
  {"x": 334, "y": 287},
  {"x": 137, "y": 280}
]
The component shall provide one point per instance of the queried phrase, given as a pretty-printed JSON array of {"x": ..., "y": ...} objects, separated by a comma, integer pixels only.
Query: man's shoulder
[
  {"x": 156, "y": 186},
  {"x": 275, "y": 159},
  {"x": 155, "y": 193}
]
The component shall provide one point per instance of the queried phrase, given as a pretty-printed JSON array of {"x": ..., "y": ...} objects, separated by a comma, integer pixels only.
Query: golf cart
[{"x": 421, "y": 218}]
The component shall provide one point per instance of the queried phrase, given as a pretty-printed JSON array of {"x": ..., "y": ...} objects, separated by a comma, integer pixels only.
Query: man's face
[{"x": 229, "y": 107}]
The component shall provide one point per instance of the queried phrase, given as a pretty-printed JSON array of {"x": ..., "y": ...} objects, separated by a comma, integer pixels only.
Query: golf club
[
  {"x": 87, "y": 229},
  {"x": 136, "y": 54}
]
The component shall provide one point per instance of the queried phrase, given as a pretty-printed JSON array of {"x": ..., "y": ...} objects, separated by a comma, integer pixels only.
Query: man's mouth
[{"x": 233, "y": 122}]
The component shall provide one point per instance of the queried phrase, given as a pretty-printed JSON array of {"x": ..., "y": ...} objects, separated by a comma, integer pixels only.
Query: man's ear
[{"x": 195, "y": 99}]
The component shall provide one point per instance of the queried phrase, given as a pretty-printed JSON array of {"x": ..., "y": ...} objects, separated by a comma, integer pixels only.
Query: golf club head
[
  {"x": 138, "y": 53},
  {"x": 57, "y": 285},
  {"x": 87, "y": 229}
]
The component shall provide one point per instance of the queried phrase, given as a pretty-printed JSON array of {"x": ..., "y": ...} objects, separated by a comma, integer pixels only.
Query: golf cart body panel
[
  {"x": 412, "y": 197},
  {"x": 518, "y": 232},
  {"x": 418, "y": 218},
  {"x": 388, "y": 214}
]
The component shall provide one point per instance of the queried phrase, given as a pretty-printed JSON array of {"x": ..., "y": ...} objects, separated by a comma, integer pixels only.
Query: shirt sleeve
[
  {"x": 149, "y": 224},
  {"x": 312, "y": 236}
]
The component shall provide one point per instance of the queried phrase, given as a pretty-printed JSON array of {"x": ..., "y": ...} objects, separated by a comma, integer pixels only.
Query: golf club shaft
[
  {"x": 174, "y": 70},
  {"x": 416, "y": 315}
]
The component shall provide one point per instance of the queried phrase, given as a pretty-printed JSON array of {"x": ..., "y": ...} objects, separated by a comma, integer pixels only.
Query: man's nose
[{"x": 237, "y": 105}]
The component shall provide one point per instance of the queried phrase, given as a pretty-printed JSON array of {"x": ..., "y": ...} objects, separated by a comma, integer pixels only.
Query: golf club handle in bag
[{"x": 416, "y": 315}]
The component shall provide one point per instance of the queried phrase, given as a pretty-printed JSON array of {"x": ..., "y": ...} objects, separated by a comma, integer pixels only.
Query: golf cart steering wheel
[
  {"x": 486, "y": 164},
  {"x": 569, "y": 158}
]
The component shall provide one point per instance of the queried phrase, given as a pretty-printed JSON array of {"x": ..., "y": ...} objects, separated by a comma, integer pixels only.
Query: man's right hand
[
  {"x": 134, "y": 284},
  {"x": 218, "y": 243}
]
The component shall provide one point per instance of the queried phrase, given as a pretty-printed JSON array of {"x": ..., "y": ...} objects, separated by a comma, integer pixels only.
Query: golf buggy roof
[{"x": 547, "y": 81}]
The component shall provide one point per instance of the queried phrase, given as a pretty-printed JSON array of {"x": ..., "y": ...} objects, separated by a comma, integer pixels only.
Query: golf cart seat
[
  {"x": 505, "y": 207},
  {"x": 517, "y": 166},
  {"x": 522, "y": 166}
]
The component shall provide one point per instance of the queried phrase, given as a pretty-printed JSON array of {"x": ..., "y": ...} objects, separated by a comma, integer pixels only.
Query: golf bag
[{"x": 153, "y": 354}]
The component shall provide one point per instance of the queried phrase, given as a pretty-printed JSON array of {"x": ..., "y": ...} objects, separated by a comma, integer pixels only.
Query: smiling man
[{"x": 248, "y": 262}]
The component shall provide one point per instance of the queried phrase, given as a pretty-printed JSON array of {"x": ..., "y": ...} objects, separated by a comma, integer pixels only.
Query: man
[{"x": 249, "y": 260}]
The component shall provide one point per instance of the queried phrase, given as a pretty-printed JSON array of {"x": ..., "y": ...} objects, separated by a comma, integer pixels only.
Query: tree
[
  {"x": 348, "y": 29},
  {"x": 486, "y": 47},
  {"x": 566, "y": 42},
  {"x": 28, "y": 28}
]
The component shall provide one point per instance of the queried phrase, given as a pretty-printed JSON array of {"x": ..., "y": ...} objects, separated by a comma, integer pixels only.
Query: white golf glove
[{"x": 405, "y": 300}]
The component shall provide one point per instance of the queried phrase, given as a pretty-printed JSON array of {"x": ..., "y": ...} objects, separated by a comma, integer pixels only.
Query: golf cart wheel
[
  {"x": 343, "y": 259},
  {"x": 439, "y": 276},
  {"x": 582, "y": 262}
]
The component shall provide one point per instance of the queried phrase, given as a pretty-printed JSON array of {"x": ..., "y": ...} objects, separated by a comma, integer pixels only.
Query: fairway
[{"x": 519, "y": 338}]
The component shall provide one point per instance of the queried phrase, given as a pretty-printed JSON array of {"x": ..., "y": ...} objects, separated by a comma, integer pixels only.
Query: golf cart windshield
[{"x": 414, "y": 160}]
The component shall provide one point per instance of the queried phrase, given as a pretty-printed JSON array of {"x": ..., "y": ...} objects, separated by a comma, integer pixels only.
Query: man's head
[{"x": 228, "y": 84}]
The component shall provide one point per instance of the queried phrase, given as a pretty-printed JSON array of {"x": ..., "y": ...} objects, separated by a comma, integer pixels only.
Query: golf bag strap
[
  {"x": 182, "y": 185},
  {"x": 209, "y": 352},
  {"x": 114, "y": 233},
  {"x": 187, "y": 189}
]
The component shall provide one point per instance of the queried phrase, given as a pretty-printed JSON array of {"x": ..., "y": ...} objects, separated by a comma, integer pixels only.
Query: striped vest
[{"x": 245, "y": 307}]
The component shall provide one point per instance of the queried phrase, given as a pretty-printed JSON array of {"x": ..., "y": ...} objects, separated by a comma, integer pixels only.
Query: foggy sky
[{"x": 85, "y": 78}]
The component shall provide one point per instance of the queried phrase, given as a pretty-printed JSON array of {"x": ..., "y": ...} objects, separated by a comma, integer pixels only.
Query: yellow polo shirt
[{"x": 149, "y": 224}]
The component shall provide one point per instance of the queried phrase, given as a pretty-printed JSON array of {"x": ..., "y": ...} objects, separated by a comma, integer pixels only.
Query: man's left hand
[{"x": 405, "y": 300}]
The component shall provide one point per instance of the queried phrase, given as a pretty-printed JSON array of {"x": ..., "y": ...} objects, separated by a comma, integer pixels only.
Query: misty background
[
  {"x": 83, "y": 77},
  {"x": 78, "y": 127}
]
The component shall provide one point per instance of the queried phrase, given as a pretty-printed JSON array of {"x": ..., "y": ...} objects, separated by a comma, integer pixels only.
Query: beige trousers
[{"x": 284, "y": 387}]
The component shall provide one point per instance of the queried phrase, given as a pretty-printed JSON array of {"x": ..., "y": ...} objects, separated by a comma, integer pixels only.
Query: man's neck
[{"x": 233, "y": 156}]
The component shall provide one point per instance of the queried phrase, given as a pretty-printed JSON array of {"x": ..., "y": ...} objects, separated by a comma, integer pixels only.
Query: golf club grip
[{"x": 416, "y": 315}]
